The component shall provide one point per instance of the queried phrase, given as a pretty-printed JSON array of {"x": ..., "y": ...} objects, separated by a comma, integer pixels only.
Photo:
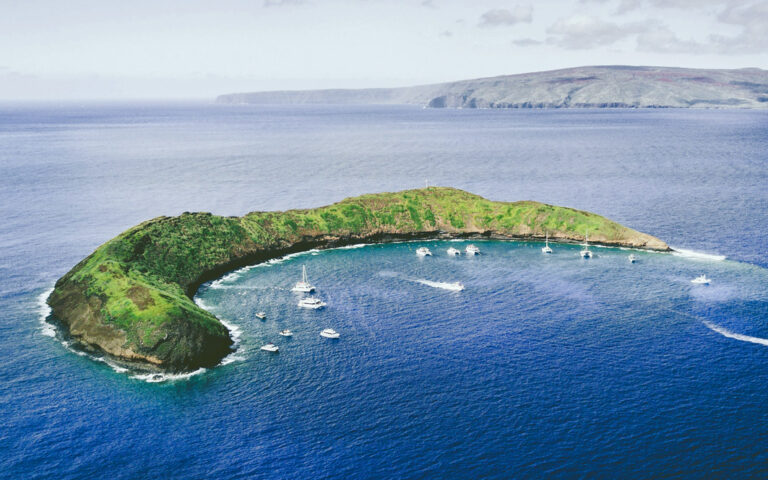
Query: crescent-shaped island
[{"x": 132, "y": 298}]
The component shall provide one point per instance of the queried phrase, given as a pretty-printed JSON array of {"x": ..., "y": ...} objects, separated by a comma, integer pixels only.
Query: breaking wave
[
  {"x": 166, "y": 377},
  {"x": 44, "y": 310}
]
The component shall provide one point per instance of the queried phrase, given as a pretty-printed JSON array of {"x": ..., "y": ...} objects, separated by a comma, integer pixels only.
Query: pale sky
[{"x": 131, "y": 49}]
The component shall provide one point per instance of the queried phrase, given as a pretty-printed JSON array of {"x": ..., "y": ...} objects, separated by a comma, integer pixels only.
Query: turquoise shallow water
[{"x": 542, "y": 366}]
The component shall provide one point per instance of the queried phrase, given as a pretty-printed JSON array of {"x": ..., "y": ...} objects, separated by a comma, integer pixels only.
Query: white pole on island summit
[{"x": 426, "y": 183}]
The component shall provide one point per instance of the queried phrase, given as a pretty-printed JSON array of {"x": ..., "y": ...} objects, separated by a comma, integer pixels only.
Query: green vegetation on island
[{"x": 132, "y": 298}]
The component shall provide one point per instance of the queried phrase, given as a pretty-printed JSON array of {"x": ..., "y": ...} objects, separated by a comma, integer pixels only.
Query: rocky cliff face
[
  {"x": 132, "y": 298},
  {"x": 582, "y": 87}
]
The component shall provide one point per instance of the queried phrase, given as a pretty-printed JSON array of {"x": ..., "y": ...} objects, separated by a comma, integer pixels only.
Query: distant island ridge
[
  {"x": 614, "y": 86},
  {"x": 132, "y": 298}
]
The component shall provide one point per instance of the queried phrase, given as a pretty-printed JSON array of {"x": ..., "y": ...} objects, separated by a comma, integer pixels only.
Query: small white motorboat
[
  {"x": 286, "y": 333},
  {"x": 311, "y": 302},
  {"x": 586, "y": 253},
  {"x": 453, "y": 251},
  {"x": 472, "y": 250},
  {"x": 329, "y": 333},
  {"x": 303, "y": 285},
  {"x": 632, "y": 258},
  {"x": 423, "y": 252},
  {"x": 701, "y": 280},
  {"x": 455, "y": 286},
  {"x": 270, "y": 347},
  {"x": 545, "y": 248},
  {"x": 261, "y": 315}
]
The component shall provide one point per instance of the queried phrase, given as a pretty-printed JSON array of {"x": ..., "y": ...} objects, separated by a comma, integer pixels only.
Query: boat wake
[
  {"x": 736, "y": 336},
  {"x": 455, "y": 286},
  {"x": 694, "y": 255}
]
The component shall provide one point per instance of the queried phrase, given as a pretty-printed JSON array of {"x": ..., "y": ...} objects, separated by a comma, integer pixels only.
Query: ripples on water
[{"x": 542, "y": 366}]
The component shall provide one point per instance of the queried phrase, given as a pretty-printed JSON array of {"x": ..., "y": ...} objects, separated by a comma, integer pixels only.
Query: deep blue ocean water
[{"x": 543, "y": 366}]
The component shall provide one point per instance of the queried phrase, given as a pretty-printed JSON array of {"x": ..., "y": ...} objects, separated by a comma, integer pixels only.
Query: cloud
[
  {"x": 284, "y": 3},
  {"x": 663, "y": 40},
  {"x": 526, "y": 42},
  {"x": 751, "y": 18},
  {"x": 446, "y": 33},
  {"x": 502, "y": 17},
  {"x": 428, "y": 4},
  {"x": 581, "y": 32}
]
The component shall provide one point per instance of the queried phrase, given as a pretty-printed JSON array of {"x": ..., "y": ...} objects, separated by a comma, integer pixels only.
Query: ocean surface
[{"x": 543, "y": 366}]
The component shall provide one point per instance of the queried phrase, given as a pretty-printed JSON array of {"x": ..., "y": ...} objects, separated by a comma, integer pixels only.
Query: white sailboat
[
  {"x": 303, "y": 285},
  {"x": 586, "y": 253},
  {"x": 453, "y": 251},
  {"x": 472, "y": 250},
  {"x": 423, "y": 252},
  {"x": 545, "y": 248}
]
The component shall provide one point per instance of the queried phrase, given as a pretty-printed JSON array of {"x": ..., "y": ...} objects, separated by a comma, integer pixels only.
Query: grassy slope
[{"x": 142, "y": 276}]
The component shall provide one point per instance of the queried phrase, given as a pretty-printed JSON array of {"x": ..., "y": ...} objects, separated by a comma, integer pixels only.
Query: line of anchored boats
[{"x": 314, "y": 303}]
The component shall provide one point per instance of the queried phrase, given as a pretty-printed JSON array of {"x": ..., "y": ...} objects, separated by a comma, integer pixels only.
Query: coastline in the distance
[{"x": 614, "y": 86}]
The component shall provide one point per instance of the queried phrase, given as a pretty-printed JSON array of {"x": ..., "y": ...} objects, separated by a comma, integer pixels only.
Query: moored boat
[
  {"x": 311, "y": 302},
  {"x": 270, "y": 347},
  {"x": 303, "y": 285},
  {"x": 329, "y": 333},
  {"x": 472, "y": 250},
  {"x": 546, "y": 248},
  {"x": 586, "y": 253}
]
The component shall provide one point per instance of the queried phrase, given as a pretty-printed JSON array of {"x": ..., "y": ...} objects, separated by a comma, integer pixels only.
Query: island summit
[{"x": 131, "y": 299}]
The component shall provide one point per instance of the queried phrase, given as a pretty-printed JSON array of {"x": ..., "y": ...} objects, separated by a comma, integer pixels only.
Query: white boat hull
[
  {"x": 303, "y": 289},
  {"x": 329, "y": 334},
  {"x": 312, "y": 307}
]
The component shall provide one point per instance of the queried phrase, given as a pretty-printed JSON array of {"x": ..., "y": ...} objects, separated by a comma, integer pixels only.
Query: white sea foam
[
  {"x": 166, "y": 377},
  {"x": 45, "y": 311},
  {"x": 736, "y": 336},
  {"x": 694, "y": 255},
  {"x": 350, "y": 247},
  {"x": 455, "y": 286},
  {"x": 237, "y": 353}
]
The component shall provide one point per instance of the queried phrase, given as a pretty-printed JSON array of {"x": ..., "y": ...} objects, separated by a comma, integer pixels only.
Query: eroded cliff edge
[{"x": 131, "y": 299}]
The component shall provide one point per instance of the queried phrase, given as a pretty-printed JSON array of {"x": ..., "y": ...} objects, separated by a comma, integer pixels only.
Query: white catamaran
[
  {"x": 303, "y": 285},
  {"x": 546, "y": 248},
  {"x": 586, "y": 253}
]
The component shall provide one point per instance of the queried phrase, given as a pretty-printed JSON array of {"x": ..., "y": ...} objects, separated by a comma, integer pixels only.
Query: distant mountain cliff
[{"x": 581, "y": 87}]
